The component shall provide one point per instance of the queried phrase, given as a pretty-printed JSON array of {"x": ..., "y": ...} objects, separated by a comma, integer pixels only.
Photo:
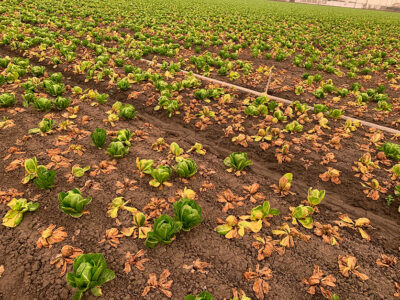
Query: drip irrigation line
[{"x": 279, "y": 99}]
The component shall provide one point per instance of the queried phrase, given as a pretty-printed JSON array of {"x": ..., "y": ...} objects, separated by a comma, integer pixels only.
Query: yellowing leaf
[
  {"x": 143, "y": 232},
  {"x": 364, "y": 234},
  {"x": 285, "y": 241},
  {"x": 127, "y": 231},
  {"x": 345, "y": 218},
  {"x": 230, "y": 234},
  {"x": 361, "y": 222}
]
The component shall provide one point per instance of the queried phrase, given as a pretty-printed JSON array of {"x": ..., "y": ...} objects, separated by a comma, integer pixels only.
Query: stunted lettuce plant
[
  {"x": 17, "y": 209},
  {"x": 44, "y": 126},
  {"x": 198, "y": 148},
  {"x": 233, "y": 228},
  {"x": 31, "y": 166},
  {"x": 144, "y": 166},
  {"x": 117, "y": 204},
  {"x": 289, "y": 233},
  {"x": 284, "y": 185},
  {"x": 302, "y": 214},
  {"x": 120, "y": 145},
  {"x": 43, "y": 178},
  {"x": 314, "y": 196},
  {"x": 260, "y": 212},
  {"x": 294, "y": 127},
  {"x": 175, "y": 150}
]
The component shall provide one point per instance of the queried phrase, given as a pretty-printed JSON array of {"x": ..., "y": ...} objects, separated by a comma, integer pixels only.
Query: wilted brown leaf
[
  {"x": 348, "y": 264},
  {"x": 260, "y": 277},
  {"x": 198, "y": 266},
  {"x": 50, "y": 236},
  {"x": 156, "y": 207},
  {"x": 112, "y": 237},
  {"x": 317, "y": 279},
  {"x": 66, "y": 257},
  {"x": 163, "y": 284},
  {"x": 133, "y": 260},
  {"x": 386, "y": 261},
  {"x": 252, "y": 193},
  {"x": 230, "y": 199}
]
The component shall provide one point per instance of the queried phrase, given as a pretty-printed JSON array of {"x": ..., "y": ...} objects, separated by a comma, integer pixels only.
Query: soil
[{"x": 29, "y": 275}]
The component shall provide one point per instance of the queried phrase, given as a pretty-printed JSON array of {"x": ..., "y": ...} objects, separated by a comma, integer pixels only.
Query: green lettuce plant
[
  {"x": 44, "y": 178},
  {"x": 202, "y": 296},
  {"x": 185, "y": 168},
  {"x": 123, "y": 84},
  {"x": 391, "y": 150},
  {"x": 7, "y": 100},
  {"x": 72, "y": 202},
  {"x": 101, "y": 98},
  {"x": 160, "y": 176},
  {"x": 237, "y": 161},
  {"x": 318, "y": 108},
  {"x": 188, "y": 212},
  {"x": 127, "y": 111},
  {"x": 61, "y": 103},
  {"x": 89, "y": 272},
  {"x": 42, "y": 103},
  {"x": 396, "y": 171},
  {"x": 124, "y": 136},
  {"x": 170, "y": 105},
  {"x": 99, "y": 137},
  {"x": 56, "y": 77},
  {"x": 144, "y": 165},
  {"x": 117, "y": 149},
  {"x": 38, "y": 71},
  {"x": 4, "y": 61},
  {"x": 335, "y": 113},
  {"x": 29, "y": 98},
  {"x": 53, "y": 88},
  {"x": 164, "y": 230}
]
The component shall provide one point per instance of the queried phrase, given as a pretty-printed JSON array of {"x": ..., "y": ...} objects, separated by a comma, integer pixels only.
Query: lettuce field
[{"x": 198, "y": 150}]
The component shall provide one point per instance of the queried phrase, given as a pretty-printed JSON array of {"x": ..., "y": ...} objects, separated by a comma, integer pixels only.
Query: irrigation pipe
[
  {"x": 269, "y": 81},
  {"x": 286, "y": 101}
]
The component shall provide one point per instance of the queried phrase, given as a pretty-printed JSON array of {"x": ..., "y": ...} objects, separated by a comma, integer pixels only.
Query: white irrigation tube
[{"x": 365, "y": 123}]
